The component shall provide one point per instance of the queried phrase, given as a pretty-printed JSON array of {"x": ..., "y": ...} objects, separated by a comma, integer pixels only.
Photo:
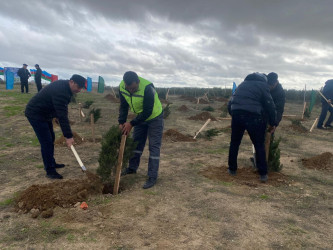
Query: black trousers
[
  {"x": 46, "y": 137},
  {"x": 256, "y": 127},
  {"x": 24, "y": 83},
  {"x": 39, "y": 84}
]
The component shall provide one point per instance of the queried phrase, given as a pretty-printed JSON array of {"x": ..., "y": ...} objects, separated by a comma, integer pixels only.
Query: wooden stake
[
  {"x": 325, "y": 98},
  {"x": 304, "y": 106},
  {"x": 80, "y": 111},
  {"x": 167, "y": 95},
  {"x": 196, "y": 134},
  {"x": 313, "y": 125},
  {"x": 114, "y": 93},
  {"x": 119, "y": 165},
  {"x": 267, "y": 144},
  {"x": 92, "y": 123}
]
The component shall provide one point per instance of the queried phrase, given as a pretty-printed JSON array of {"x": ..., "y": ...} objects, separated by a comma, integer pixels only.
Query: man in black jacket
[
  {"x": 52, "y": 101},
  {"x": 38, "y": 77},
  {"x": 326, "y": 106},
  {"x": 278, "y": 95},
  {"x": 24, "y": 75},
  {"x": 249, "y": 106}
]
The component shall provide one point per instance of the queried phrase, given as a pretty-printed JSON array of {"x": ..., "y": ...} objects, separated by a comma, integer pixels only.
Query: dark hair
[
  {"x": 130, "y": 77},
  {"x": 272, "y": 78},
  {"x": 79, "y": 80}
]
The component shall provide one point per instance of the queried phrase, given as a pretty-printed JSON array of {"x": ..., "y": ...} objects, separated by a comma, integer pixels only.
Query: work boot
[
  {"x": 59, "y": 165},
  {"x": 232, "y": 172},
  {"x": 321, "y": 127},
  {"x": 263, "y": 178},
  {"x": 149, "y": 183},
  {"x": 54, "y": 175},
  {"x": 128, "y": 171},
  {"x": 329, "y": 126}
]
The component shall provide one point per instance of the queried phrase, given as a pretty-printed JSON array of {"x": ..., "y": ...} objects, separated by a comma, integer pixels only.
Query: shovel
[{"x": 78, "y": 159}]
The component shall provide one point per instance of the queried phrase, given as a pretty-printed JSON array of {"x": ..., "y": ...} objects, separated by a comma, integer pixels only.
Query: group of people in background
[
  {"x": 24, "y": 75},
  {"x": 257, "y": 106}
]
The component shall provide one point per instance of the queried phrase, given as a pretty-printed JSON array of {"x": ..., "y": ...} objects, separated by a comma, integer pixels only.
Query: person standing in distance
[
  {"x": 140, "y": 96},
  {"x": 38, "y": 77},
  {"x": 52, "y": 101},
  {"x": 24, "y": 75},
  {"x": 278, "y": 95}
]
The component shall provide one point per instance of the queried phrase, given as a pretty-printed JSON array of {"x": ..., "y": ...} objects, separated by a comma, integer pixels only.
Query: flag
[
  {"x": 234, "y": 88},
  {"x": 46, "y": 76},
  {"x": 313, "y": 100},
  {"x": 9, "y": 79},
  {"x": 33, "y": 72},
  {"x": 2, "y": 71},
  {"x": 100, "y": 84},
  {"x": 54, "y": 78},
  {"x": 89, "y": 84}
]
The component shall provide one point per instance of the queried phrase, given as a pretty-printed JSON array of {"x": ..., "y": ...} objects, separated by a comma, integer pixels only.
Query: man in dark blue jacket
[
  {"x": 249, "y": 106},
  {"x": 52, "y": 101},
  {"x": 326, "y": 106},
  {"x": 38, "y": 77},
  {"x": 24, "y": 75},
  {"x": 278, "y": 95}
]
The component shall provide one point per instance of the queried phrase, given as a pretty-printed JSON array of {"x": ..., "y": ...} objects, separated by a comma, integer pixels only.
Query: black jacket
[
  {"x": 24, "y": 74},
  {"x": 148, "y": 106},
  {"x": 52, "y": 101},
  {"x": 328, "y": 91},
  {"x": 253, "y": 96},
  {"x": 279, "y": 98},
  {"x": 38, "y": 75}
]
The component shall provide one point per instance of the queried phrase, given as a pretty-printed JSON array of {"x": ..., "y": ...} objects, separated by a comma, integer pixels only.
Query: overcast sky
[{"x": 187, "y": 43}]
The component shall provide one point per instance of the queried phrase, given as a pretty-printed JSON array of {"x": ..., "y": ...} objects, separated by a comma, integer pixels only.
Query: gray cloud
[{"x": 173, "y": 43}]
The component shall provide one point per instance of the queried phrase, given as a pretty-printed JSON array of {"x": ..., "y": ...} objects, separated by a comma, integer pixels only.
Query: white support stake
[
  {"x": 313, "y": 124},
  {"x": 208, "y": 121}
]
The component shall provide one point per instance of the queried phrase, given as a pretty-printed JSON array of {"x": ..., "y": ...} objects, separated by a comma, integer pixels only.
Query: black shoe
[
  {"x": 329, "y": 126},
  {"x": 128, "y": 171},
  {"x": 59, "y": 165},
  {"x": 149, "y": 183},
  {"x": 321, "y": 127},
  {"x": 232, "y": 172},
  {"x": 263, "y": 178},
  {"x": 54, "y": 175}
]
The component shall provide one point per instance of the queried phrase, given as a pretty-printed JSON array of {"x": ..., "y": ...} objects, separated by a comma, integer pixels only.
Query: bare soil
[
  {"x": 61, "y": 141},
  {"x": 111, "y": 98},
  {"x": 323, "y": 161},
  {"x": 203, "y": 117},
  {"x": 195, "y": 204},
  {"x": 175, "y": 136},
  {"x": 183, "y": 108}
]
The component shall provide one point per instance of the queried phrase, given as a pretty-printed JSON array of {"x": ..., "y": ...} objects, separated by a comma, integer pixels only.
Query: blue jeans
[
  {"x": 256, "y": 127},
  {"x": 45, "y": 135},
  {"x": 325, "y": 107},
  {"x": 152, "y": 129}
]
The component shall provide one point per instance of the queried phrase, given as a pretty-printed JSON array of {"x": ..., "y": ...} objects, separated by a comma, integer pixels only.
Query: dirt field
[{"x": 195, "y": 203}]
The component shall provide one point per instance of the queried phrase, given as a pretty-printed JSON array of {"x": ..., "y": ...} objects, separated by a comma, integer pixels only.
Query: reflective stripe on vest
[{"x": 135, "y": 100}]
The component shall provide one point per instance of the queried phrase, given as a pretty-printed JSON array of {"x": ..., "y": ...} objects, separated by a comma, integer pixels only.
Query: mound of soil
[
  {"x": 323, "y": 161},
  {"x": 174, "y": 136},
  {"x": 188, "y": 98},
  {"x": 112, "y": 99},
  {"x": 62, "y": 140},
  {"x": 183, "y": 108},
  {"x": 245, "y": 176},
  {"x": 297, "y": 128},
  {"x": 202, "y": 117},
  {"x": 43, "y": 198}
]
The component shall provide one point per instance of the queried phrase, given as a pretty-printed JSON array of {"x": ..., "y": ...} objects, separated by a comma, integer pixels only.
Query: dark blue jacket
[
  {"x": 328, "y": 90},
  {"x": 279, "y": 98},
  {"x": 24, "y": 74},
  {"x": 52, "y": 101},
  {"x": 253, "y": 96}
]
